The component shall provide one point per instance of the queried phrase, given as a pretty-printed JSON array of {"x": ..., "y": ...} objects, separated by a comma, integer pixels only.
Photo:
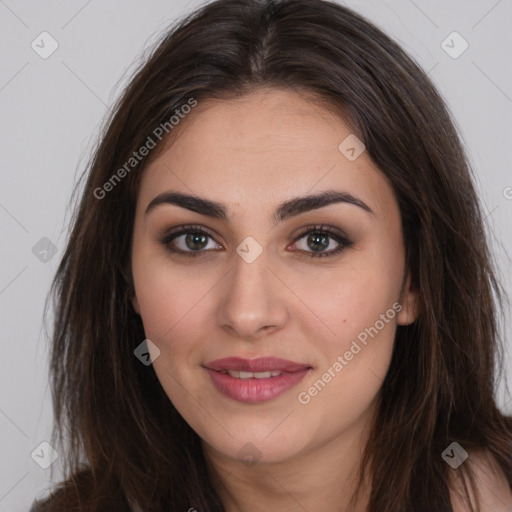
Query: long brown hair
[{"x": 121, "y": 436}]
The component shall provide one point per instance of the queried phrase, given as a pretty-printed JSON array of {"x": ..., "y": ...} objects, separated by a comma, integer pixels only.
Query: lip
[
  {"x": 254, "y": 390},
  {"x": 261, "y": 364}
]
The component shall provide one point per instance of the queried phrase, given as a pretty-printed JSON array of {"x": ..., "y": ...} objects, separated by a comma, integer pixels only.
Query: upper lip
[{"x": 261, "y": 364}]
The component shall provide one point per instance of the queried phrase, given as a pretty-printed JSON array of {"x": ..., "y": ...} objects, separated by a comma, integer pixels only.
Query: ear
[
  {"x": 410, "y": 302},
  {"x": 135, "y": 304}
]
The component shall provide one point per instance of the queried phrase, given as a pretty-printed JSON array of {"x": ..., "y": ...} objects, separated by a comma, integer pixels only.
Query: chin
[{"x": 259, "y": 448}]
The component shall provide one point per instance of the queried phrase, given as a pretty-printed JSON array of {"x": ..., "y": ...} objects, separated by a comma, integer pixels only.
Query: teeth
[{"x": 252, "y": 375}]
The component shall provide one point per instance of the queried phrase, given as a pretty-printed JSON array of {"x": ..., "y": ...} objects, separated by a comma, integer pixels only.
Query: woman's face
[{"x": 252, "y": 279}]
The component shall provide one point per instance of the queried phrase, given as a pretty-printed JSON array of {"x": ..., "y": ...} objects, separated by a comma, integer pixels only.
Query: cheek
[
  {"x": 356, "y": 358},
  {"x": 168, "y": 296},
  {"x": 354, "y": 301},
  {"x": 360, "y": 309},
  {"x": 176, "y": 311},
  {"x": 172, "y": 315}
]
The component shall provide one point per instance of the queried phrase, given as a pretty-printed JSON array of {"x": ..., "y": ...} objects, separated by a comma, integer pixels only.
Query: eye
[
  {"x": 193, "y": 241},
  {"x": 320, "y": 238},
  {"x": 188, "y": 241}
]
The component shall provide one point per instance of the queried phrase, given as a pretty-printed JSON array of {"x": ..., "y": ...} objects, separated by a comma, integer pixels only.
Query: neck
[{"x": 324, "y": 477}]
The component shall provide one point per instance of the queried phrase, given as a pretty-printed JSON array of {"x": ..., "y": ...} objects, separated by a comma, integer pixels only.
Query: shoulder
[
  {"x": 53, "y": 504},
  {"x": 43, "y": 505},
  {"x": 495, "y": 494},
  {"x": 79, "y": 495}
]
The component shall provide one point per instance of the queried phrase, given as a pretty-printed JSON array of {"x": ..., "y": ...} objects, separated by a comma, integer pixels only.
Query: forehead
[{"x": 262, "y": 149}]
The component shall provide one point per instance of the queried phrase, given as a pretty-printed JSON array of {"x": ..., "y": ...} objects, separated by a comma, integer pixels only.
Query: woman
[{"x": 277, "y": 291}]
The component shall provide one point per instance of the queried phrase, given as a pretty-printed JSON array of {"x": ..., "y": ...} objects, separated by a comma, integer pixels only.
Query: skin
[
  {"x": 493, "y": 489},
  {"x": 251, "y": 154}
]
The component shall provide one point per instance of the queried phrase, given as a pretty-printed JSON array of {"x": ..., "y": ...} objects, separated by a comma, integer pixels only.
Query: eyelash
[{"x": 343, "y": 242}]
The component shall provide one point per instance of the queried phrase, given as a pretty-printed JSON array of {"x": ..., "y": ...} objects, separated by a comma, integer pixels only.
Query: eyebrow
[{"x": 284, "y": 211}]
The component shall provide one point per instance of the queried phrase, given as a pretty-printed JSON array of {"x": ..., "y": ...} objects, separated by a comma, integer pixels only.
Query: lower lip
[{"x": 255, "y": 391}]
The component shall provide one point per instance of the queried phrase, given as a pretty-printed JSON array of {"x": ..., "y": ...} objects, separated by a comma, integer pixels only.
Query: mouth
[
  {"x": 255, "y": 380},
  {"x": 261, "y": 365},
  {"x": 251, "y": 375}
]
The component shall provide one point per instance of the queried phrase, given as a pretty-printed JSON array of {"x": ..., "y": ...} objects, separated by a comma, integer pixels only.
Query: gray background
[{"x": 51, "y": 110}]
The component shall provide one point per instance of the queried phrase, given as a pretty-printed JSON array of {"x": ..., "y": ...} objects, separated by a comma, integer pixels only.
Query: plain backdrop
[{"x": 51, "y": 109}]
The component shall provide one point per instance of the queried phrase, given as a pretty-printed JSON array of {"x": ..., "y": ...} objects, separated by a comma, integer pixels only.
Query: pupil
[
  {"x": 319, "y": 240},
  {"x": 195, "y": 238}
]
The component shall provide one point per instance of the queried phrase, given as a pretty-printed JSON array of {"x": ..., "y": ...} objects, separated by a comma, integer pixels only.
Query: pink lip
[
  {"x": 255, "y": 390},
  {"x": 261, "y": 364}
]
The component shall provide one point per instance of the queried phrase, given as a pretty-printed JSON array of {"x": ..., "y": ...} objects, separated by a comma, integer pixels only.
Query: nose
[{"x": 254, "y": 299}]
